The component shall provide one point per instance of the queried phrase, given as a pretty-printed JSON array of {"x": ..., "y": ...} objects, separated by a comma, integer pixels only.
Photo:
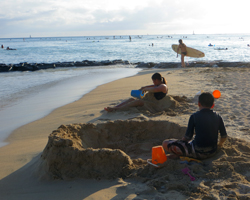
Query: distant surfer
[
  {"x": 182, "y": 46},
  {"x": 130, "y": 38},
  {"x": 2, "y": 46}
]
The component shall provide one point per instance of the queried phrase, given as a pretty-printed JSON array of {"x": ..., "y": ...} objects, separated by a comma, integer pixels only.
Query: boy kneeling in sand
[{"x": 207, "y": 124}]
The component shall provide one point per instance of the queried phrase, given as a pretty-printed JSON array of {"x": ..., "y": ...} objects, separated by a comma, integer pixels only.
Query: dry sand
[{"x": 99, "y": 155}]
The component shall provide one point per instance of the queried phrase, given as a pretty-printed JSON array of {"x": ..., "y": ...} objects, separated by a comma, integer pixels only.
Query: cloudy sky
[{"x": 43, "y": 18}]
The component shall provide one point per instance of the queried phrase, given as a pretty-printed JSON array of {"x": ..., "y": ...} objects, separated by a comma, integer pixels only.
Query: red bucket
[{"x": 158, "y": 155}]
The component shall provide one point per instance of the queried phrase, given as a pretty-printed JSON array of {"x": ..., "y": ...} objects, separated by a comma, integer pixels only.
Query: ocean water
[
  {"x": 28, "y": 96},
  {"x": 22, "y": 93},
  {"x": 98, "y": 48}
]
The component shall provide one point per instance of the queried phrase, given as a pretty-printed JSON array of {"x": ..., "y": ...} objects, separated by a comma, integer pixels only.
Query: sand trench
[{"x": 104, "y": 150}]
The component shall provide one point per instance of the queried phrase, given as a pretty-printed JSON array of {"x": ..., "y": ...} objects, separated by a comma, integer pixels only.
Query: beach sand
[{"x": 99, "y": 155}]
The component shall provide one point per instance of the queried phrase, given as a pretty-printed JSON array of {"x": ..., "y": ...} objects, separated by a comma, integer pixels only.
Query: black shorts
[
  {"x": 184, "y": 53},
  {"x": 187, "y": 149}
]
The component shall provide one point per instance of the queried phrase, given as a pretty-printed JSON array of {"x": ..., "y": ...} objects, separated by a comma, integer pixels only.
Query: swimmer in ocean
[{"x": 9, "y": 48}]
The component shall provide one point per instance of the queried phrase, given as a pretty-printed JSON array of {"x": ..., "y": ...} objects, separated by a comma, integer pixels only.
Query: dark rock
[
  {"x": 24, "y": 67},
  {"x": 200, "y": 65},
  {"x": 45, "y": 65},
  {"x": 65, "y": 64},
  {"x": 152, "y": 64},
  {"x": 78, "y": 64},
  {"x": 233, "y": 64},
  {"x": 17, "y": 67},
  {"x": 143, "y": 65},
  {"x": 85, "y": 63},
  {"x": 5, "y": 68},
  {"x": 94, "y": 63},
  {"x": 167, "y": 65},
  {"x": 106, "y": 62},
  {"x": 118, "y": 61},
  {"x": 30, "y": 67},
  {"x": 227, "y": 64},
  {"x": 126, "y": 62},
  {"x": 34, "y": 65}
]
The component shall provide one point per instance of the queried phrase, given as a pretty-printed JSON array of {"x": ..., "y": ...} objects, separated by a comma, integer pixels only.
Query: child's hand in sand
[{"x": 221, "y": 142}]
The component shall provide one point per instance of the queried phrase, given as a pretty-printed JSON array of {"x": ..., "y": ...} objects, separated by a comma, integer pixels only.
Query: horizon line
[{"x": 29, "y": 37}]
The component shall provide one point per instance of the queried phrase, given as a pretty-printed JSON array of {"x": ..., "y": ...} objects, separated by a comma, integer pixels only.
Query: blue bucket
[{"x": 137, "y": 94}]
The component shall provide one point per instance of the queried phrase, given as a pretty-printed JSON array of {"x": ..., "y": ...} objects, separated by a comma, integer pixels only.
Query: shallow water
[{"x": 28, "y": 96}]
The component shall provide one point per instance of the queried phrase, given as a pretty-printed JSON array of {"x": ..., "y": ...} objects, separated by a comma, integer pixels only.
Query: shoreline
[
  {"x": 20, "y": 157},
  {"x": 44, "y": 100}
]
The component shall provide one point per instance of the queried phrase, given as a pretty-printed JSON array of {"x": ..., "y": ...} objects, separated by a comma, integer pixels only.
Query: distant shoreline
[{"x": 127, "y": 35}]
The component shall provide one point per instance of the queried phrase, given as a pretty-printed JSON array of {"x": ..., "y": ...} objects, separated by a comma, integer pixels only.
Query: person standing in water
[{"x": 183, "y": 48}]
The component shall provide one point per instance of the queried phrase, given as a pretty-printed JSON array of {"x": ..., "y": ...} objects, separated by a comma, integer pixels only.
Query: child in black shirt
[{"x": 207, "y": 124}]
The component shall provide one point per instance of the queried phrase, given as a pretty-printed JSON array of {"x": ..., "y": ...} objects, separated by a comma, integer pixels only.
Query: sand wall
[{"x": 102, "y": 150}]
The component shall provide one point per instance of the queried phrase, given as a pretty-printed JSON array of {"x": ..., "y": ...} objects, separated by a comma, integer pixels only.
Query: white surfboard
[{"x": 191, "y": 52}]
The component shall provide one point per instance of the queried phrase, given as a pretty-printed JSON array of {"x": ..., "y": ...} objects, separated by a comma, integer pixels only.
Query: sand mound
[
  {"x": 153, "y": 105},
  {"x": 222, "y": 177},
  {"x": 93, "y": 151},
  {"x": 170, "y": 105}
]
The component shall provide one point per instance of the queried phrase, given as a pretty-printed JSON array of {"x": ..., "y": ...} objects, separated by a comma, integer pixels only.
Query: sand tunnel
[{"x": 103, "y": 150}]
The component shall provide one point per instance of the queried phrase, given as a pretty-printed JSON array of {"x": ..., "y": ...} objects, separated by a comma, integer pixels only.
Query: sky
[{"x": 52, "y": 18}]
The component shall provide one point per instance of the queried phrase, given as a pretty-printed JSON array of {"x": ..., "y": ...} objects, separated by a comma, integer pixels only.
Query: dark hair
[
  {"x": 206, "y": 99},
  {"x": 180, "y": 41},
  {"x": 159, "y": 77}
]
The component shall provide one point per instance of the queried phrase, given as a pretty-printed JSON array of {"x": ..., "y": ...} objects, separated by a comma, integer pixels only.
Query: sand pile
[
  {"x": 154, "y": 106},
  {"x": 170, "y": 105},
  {"x": 97, "y": 151},
  {"x": 224, "y": 176}
]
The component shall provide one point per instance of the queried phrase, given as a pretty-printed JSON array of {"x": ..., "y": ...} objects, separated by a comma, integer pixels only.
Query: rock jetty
[
  {"x": 38, "y": 66},
  {"x": 86, "y": 63}
]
